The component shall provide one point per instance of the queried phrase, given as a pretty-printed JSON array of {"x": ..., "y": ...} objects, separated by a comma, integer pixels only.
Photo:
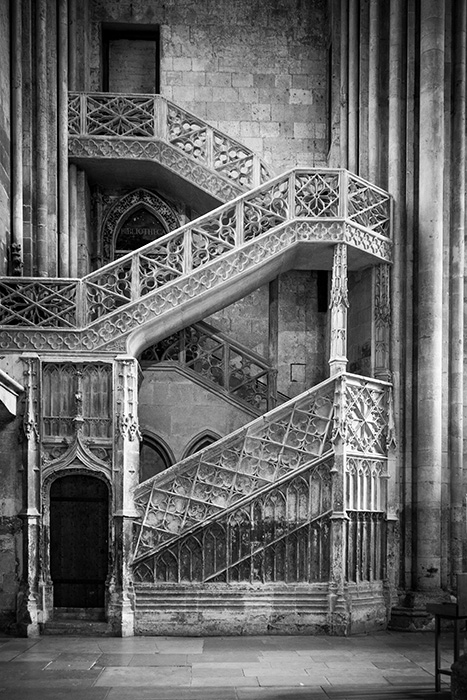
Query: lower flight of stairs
[{"x": 79, "y": 622}]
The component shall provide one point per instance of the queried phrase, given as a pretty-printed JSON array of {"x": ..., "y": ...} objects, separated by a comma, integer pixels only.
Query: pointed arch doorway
[{"x": 79, "y": 541}]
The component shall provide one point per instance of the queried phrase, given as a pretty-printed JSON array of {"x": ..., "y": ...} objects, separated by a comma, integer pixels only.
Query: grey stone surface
[{"x": 387, "y": 664}]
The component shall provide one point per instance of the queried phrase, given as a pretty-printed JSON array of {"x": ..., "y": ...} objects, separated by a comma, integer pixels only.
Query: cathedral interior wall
[
  {"x": 256, "y": 70},
  {"x": 4, "y": 136},
  {"x": 359, "y": 320},
  {"x": 11, "y": 505},
  {"x": 175, "y": 409}
]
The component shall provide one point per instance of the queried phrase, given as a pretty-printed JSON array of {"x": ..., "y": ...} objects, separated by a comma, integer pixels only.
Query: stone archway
[
  {"x": 79, "y": 541},
  {"x": 119, "y": 212}
]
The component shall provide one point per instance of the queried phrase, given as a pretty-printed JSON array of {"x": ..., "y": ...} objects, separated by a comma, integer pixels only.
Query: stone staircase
[
  {"x": 293, "y": 221},
  {"x": 220, "y": 363}
]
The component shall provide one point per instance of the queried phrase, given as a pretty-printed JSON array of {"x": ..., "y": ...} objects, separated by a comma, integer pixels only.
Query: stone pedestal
[{"x": 459, "y": 679}]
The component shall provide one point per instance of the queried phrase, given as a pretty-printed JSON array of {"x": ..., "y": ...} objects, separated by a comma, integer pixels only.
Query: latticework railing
[
  {"x": 257, "y": 505},
  {"x": 148, "y": 117},
  {"x": 232, "y": 367},
  {"x": 299, "y": 207}
]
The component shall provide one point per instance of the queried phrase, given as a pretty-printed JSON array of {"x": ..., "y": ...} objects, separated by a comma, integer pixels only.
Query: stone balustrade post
[
  {"x": 338, "y": 305},
  {"x": 125, "y": 479}
]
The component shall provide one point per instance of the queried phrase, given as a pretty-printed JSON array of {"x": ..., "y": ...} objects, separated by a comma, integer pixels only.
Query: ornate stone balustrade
[
  {"x": 126, "y": 122},
  {"x": 299, "y": 208},
  {"x": 258, "y": 505},
  {"x": 234, "y": 368}
]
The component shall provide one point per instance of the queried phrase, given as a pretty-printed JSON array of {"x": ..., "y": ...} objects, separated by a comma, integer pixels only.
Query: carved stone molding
[
  {"x": 119, "y": 209},
  {"x": 127, "y": 399}
]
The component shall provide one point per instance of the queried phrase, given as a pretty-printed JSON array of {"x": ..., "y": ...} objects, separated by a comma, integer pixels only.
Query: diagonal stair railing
[
  {"x": 258, "y": 503},
  {"x": 230, "y": 366},
  {"x": 228, "y": 246},
  {"x": 110, "y": 125}
]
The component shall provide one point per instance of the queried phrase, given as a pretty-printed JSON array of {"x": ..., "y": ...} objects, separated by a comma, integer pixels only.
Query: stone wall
[
  {"x": 256, "y": 70},
  {"x": 302, "y": 355},
  {"x": 4, "y": 136},
  {"x": 359, "y": 322},
  {"x": 302, "y": 330},
  {"x": 177, "y": 410},
  {"x": 11, "y": 473}
]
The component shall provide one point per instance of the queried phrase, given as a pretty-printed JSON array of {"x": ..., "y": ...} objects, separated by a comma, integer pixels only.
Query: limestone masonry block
[
  {"x": 301, "y": 97},
  {"x": 219, "y": 79},
  {"x": 242, "y": 79}
]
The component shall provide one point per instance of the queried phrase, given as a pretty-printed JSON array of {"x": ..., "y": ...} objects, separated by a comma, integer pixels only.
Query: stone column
[
  {"x": 17, "y": 138},
  {"x": 374, "y": 125},
  {"x": 338, "y": 614},
  {"x": 125, "y": 479},
  {"x": 344, "y": 84},
  {"x": 381, "y": 325},
  {"x": 456, "y": 291},
  {"x": 338, "y": 306},
  {"x": 428, "y": 418},
  {"x": 353, "y": 85},
  {"x": 41, "y": 162},
  {"x": 62, "y": 141},
  {"x": 29, "y": 600},
  {"x": 73, "y": 219},
  {"x": 397, "y": 171}
]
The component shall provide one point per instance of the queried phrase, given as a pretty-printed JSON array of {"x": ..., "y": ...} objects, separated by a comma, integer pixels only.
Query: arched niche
[
  {"x": 199, "y": 442},
  {"x": 154, "y": 457},
  {"x": 140, "y": 209}
]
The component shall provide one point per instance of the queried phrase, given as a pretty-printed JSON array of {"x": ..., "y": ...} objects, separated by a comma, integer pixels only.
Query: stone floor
[{"x": 398, "y": 666}]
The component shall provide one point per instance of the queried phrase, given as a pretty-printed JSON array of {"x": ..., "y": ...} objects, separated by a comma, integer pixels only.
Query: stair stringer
[
  {"x": 119, "y": 127},
  {"x": 224, "y": 476},
  {"x": 203, "y": 266}
]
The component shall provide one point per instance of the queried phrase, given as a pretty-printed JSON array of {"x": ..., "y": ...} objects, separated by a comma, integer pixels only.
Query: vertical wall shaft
[
  {"x": 456, "y": 320},
  {"x": 397, "y": 187},
  {"x": 374, "y": 125},
  {"x": 344, "y": 83},
  {"x": 41, "y": 257},
  {"x": 62, "y": 139},
  {"x": 353, "y": 85},
  {"x": 430, "y": 297},
  {"x": 17, "y": 139}
]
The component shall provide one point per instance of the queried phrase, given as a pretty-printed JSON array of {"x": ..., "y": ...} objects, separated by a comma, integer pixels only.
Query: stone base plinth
[{"x": 459, "y": 679}]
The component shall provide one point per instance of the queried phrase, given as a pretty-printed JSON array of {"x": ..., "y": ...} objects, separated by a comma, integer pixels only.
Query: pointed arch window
[
  {"x": 200, "y": 442},
  {"x": 154, "y": 458}
]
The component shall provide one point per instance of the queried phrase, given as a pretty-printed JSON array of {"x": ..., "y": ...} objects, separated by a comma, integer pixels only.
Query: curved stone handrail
[
  {"x": 230, "y": 366},
  {"x": 128, "y": 123},
  {"x": 237, "y": 246}
]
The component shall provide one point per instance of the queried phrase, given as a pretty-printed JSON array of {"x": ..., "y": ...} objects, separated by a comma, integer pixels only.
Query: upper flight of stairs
[
  {"x": 293, "y": 221},
  {"x": 106, "y": 126}
]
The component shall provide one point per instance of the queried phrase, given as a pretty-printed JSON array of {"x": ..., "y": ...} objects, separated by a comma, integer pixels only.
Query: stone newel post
[
  {"x": 125, "y": 478},
  {"x": 338, "y": 306}
]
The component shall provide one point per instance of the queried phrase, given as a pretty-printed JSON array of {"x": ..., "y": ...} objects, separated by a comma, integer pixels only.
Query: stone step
[
  {"x": 89, "y": 614},
  {"x": 77, "y": 628}
]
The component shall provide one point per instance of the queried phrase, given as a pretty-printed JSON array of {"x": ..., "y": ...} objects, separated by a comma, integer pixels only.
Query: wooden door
[{"x": 79, "y": 525}]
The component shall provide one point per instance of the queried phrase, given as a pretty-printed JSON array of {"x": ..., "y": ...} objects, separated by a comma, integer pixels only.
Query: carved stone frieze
[
  {"x": 127, "y": 399},
  {"x": 77, "y": 453}
]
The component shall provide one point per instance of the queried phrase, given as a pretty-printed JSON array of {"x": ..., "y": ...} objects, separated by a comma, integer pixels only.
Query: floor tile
[
  {"x": 131, "y": 677},
  {"x": 158, "y": 660}
]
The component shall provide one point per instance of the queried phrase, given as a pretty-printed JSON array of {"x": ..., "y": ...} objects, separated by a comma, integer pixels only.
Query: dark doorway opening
[
  {"x": 131, "y": 59},
  {"x": 79, "y": 533}
]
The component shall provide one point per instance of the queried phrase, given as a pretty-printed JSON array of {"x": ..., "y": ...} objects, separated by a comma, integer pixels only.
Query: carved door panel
[{"x": 79, "y": 507}]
